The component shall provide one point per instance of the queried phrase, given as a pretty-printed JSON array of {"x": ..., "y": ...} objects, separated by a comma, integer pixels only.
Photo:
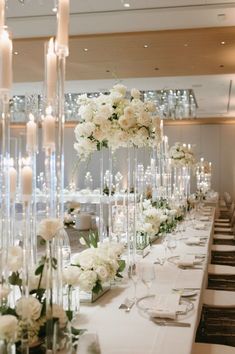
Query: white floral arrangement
[
  {"x": 33, "y": 307},
  {"x": 114, "y": 121},
  {"x": 96, "y": 265},
  {"x": 151, "y": 220},
  {"x": 181, "y": 155}
]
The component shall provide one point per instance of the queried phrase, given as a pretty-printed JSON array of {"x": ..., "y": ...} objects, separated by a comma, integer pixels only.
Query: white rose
[
  {"x": 71, "y": 275},
  {"x": 144, "y": 119},
  {"x": 126, "y": 123},
  {"x": 120, "y": 89},
  {"x": 102, "y": 273},
  {"x": 147, "y": 227},
  {"x": 135, "y": 93},
  {"x": 48, "y": 228},
  {"x": 4, "y": 292},
  {"x": 15, "y": 258},
  {"x": 150, "y": 106},
  {"x": 28, "y": 308},
  {"x": 8, "y": 327},
  {"x": 146, "y": 203},
  {"x": 87, "y": 280},
  {"x": 86, "y": 259},
  {"x": 99, "y": 134},
  {"x": 85, "y": 129},
  {"x": 106, "y": 110},
  {"x": 129, "y": 112},
  {"x": 86, "y": 113},
  {"x": 58, "y": 312}
]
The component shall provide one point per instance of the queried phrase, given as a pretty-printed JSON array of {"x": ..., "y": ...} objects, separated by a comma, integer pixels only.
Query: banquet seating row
[{"x": 218, "y": 312}]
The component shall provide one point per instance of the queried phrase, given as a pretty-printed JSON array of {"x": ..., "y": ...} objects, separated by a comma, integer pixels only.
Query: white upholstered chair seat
[
  {"x": 222, "y": 224},
  {"x": 223, "y": 248},
  {"x": 220, "y": 270},
  {"x": 223, "y": 230},
  {"x": 222, "y": 220},
  {"x": 207, "y": 348},
  {"x": 223, "y": 237}
]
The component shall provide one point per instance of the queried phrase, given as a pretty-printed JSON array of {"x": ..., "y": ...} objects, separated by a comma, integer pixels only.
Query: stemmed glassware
[
  {"x": 134, "y": 275},
  {"x": 147, "y": 274}
]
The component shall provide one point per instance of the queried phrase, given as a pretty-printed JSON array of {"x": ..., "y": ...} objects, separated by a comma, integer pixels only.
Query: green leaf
[
  {"x": 14, "y": 279},
  {"x": 39, "y": 269},
  {"x": 97, "y": 288},
  {"x": 69, "y": 315},
  {"x": 122, "y": 265}
]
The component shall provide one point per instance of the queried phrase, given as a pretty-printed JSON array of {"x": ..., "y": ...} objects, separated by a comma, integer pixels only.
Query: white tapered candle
[
  {"x": 49, "y": 130},
  {"x": 2, "y": 13},
  {"x": 63, "y": 23},
  {"x": 5, "y": 61},
  {"x": 13, "y": 182},
  {"x": 51, "y": 72},
  {"x": 26, "y": 181},
  {"x": 31, "y": 134}
]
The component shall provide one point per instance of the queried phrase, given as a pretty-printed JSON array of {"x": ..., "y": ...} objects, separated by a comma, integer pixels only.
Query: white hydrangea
[
  {"x": 8, "y": 327},
  {"x": 29, "y": 308}
]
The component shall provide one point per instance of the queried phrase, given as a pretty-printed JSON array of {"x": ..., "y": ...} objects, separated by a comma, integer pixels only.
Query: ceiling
[{"x": 184, "y": 39}]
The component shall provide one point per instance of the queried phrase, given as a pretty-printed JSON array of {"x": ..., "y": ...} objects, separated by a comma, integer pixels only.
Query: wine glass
[
  {"x": 171, "y": 243},
  {"x": 147, "y": 275},
  {"x": 134, "y": 275}
]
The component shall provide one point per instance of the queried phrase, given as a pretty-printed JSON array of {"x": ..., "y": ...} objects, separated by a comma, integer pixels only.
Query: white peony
[
  {"x": 87, "y": 280},
  {"x": 106, "y": 110},
  {"x": 85, "y": 129},
  {"x": 48, "y": 228},
  {"x": 147, "y": 227},
  {"x": 8, "y": 327},
  {"x": 127, "y": 123},
  {"x": 135, "y": 93},
  {"x": 58, "y": 312},
  {"x": 4, "y": 292},
  {"x": 28, "y": 308},
  {"x": 86, "y": 113},
  {"x": 129, "y": 112},
  {"x": 15, "y": 258},
  {"x": 71, "y": 275}
]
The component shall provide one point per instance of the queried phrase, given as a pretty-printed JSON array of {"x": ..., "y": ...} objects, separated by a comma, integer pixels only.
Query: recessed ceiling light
[
  {"x": 126, "y": 4},
  {"x": 222, "y": 42},
  {"x": 186, "y": 44},
  {"x": 85, "y": 49},
  {"x": 16, "y": 53},
  {"x": 145, "y": 45}
]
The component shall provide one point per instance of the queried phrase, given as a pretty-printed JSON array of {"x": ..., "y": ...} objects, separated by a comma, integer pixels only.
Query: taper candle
[
  {"x": 63, "y": 23},
  {"x": 2, "y": 13},
  {"x": 49, "y": 130},
  {"x": 5, "y": 61},
  {"x": 51, "y": 73},
  {"x": 31, "y": 134}
]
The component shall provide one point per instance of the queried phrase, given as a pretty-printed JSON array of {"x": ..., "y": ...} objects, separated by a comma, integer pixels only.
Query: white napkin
[
  {"x": 199, "y": 226},
  {"x": 186, "y": 260},
  {"x": 204, "y": 218},
  {"x": 193, "y": 241},
  {"x": 165, "y": 306}
]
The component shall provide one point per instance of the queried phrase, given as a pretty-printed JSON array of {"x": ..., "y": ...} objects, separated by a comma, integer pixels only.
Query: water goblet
[{"x": 147, "y": 275}]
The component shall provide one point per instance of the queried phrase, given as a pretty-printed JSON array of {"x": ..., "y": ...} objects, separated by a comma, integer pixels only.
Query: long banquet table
[{"x": 120, "y": 332}]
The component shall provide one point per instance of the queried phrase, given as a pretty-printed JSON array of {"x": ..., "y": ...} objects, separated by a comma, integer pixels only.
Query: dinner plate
[
  {"x": 145, "y": 303},
  {"x": 175, "y": 260}
]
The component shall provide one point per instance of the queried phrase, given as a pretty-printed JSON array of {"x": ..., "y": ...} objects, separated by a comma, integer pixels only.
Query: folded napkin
[
  {"x": 199, "y": 226},
  {"x": 204, "y": 218},
  {"x": 186, "y": 260},
  {"x": 193, "y": 241},
  {"x": 165, "y": 306}
]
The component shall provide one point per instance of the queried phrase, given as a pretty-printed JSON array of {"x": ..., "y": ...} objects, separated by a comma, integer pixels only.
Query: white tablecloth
[{"x": 134, "y": 333}]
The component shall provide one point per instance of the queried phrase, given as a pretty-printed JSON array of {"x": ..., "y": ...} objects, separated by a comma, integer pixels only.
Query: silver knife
[{"x": 170, "y": 323}]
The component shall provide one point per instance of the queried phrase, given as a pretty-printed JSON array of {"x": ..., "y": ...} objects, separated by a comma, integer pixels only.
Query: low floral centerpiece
[{"x": 182, "y": 155}]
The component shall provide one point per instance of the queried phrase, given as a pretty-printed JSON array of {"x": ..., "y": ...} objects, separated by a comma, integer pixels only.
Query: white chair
[
  {"x": 218, "y": 298},
  {"x": 218, "y": 269},
  {"x": 223, "y": 248},
  {"x": 207, "y": 348}
]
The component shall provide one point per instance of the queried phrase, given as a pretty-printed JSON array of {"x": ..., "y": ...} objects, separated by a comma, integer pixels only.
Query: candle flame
[
  {"x": 48, "y": 110},
  {"x": 31, "y": 117}
]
